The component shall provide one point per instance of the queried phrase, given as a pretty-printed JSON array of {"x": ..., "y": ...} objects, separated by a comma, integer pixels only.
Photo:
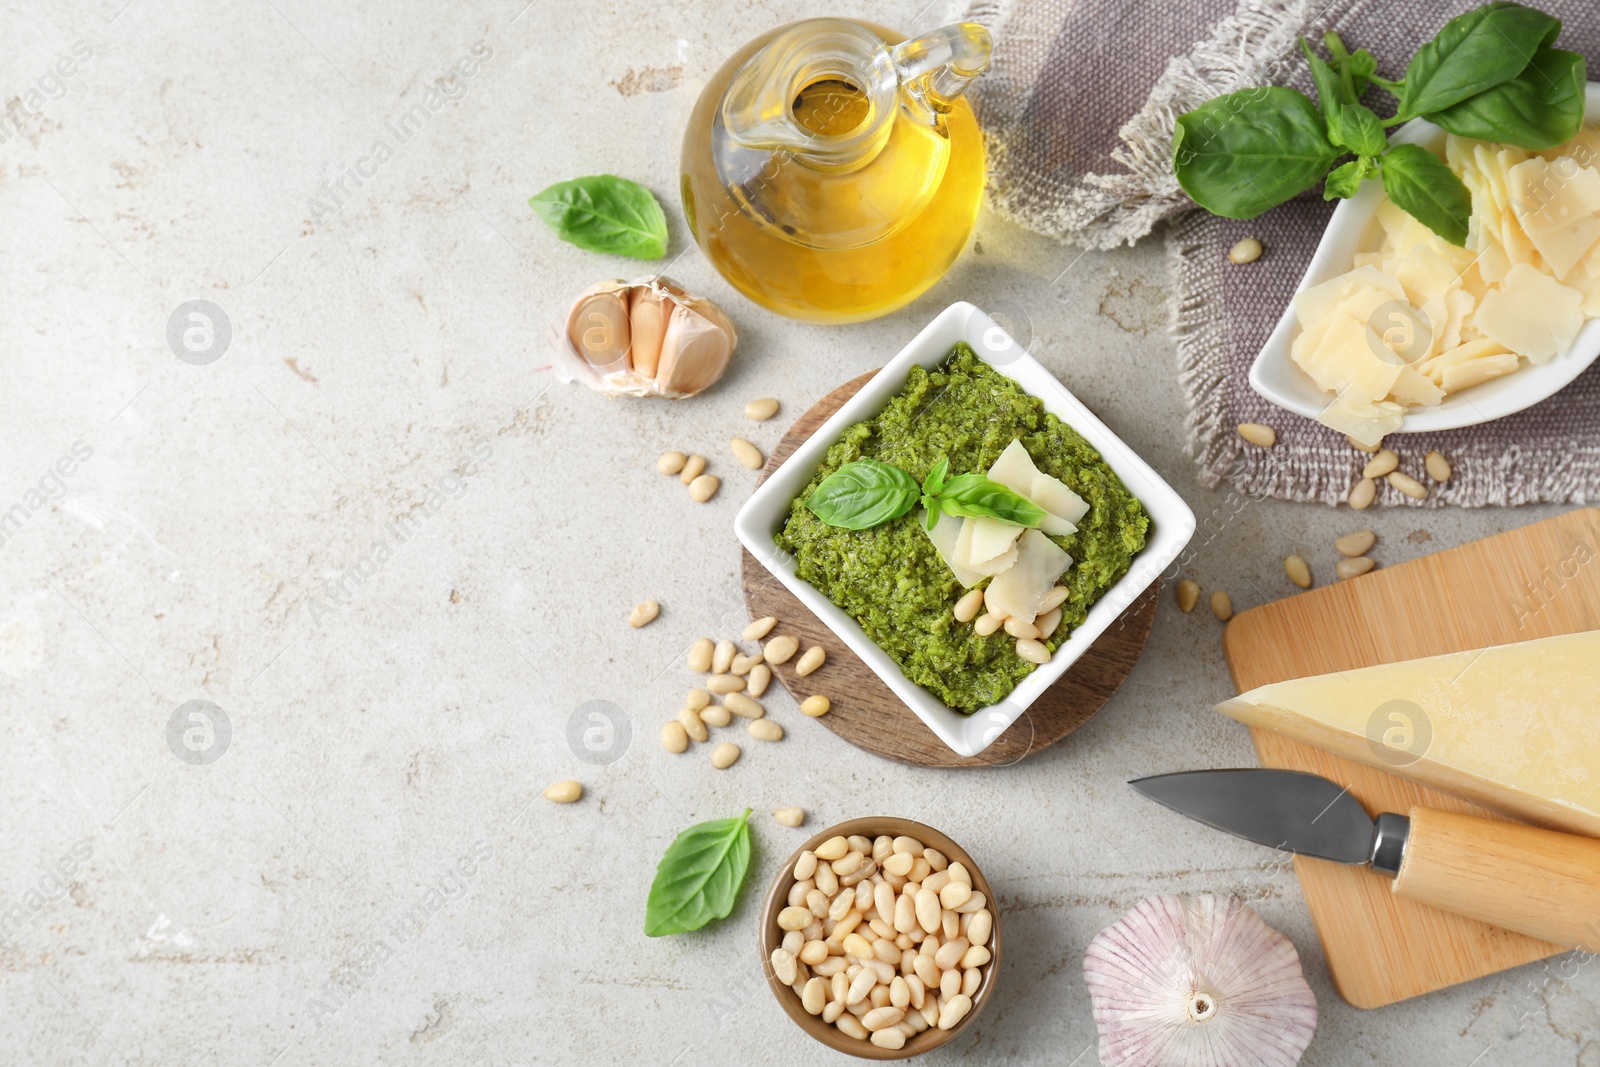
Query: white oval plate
[
  {"x": 1171, "y": 521},
  {"x": 1277, "y": 377}
]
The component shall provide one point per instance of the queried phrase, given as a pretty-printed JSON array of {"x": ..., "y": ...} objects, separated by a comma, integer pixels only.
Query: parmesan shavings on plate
[{"x": 1418, "y": 318}]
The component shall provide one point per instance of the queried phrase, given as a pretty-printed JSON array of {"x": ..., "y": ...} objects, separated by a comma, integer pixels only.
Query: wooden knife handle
[{"x": 1541, "y": 883}]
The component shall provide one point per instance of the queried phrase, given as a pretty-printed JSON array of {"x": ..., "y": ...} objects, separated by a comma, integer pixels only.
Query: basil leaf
[
  {"x": 1345, "y": 179},
  {"x": 935, "y": 479},
  {"x": 930, "y": 512},
  {"x": 1330, "y": 93},
  {"x": 698, "y": 879},
  {"x": 1424, "y": 187},
  {"x": 1362, "y": 66},
  {"x": 1249, "y": 151},
  {"x": 1474, "y": 52},
  {"x": 604, "y": 213},
  {"x": 976, "y": 496},
  {"x": 864, "y": 494},
  {"x": 1361, "y": 130},
  {"x": 1540, "y": 108}
]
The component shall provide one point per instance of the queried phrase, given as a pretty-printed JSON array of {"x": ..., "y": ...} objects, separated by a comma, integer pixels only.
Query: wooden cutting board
[
  {"x": 1536, "y": 581},
  {"x": 866, "y": 712}
]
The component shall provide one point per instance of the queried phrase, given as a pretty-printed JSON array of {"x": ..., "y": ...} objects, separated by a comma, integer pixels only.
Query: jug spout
[{"x": 936, "y": 68}]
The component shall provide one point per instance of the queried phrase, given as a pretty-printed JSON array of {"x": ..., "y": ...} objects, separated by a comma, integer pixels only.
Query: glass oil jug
[{"x": 832, "y": 171}]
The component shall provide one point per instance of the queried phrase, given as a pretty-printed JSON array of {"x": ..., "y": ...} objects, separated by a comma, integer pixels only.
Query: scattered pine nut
[
  {"x": 1438, "y": 466},
  {"x": 723, "y": 684},
  {"x": 693, "y": 724},
  {"x": 986, "y": 624},
  {"x": 1354, "y": 566},
  {"x": 790, "y": 817},
  {"x": 724, "y": 756},
  {"x": 761, "y": 410},
  {"x": 1362, "y": 494},
  {"x": 564, "y": 792},
  {"x": 1221, "y": 605},
  {"x": 1188, "y": 595},
  {"x": 1408, "y": 485},
  {"x": 969, "y": 605},
  {"x": 1298, "y": 570},
  {"x": 700, "y": 655},
  {"x": 722, "y": 656},
  {"x": 1246, "y": 250},
  {"x": 743, "y": 706},
  {"x": 1356, "y": 544},
  {"x": 671, "y": 462},
  {"x": 1054, "y": 598},
  {"x": 1359, "y": 447},
  {"x": 813, "y": 658},
  {"x": 1257, "y": 434},
  {"x": 1381, "y": 464},
  {"x": 674, "y": 738},
  {"x": 644, "y": 614},
  {"x": 765, "y": 730},
  {"x": 760, "y": 678},
  {"x": 780, "y": 649},
  {"x": 747, "y": 453},
  {"x": 692, "y": 468},
  {"x": 815, "y": 706},
  {"x": 704, "y": 488},
  {"x": 759, "y": 629}
]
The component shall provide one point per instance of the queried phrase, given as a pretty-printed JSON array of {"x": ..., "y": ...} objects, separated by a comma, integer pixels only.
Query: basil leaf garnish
[
  {"x": 863, "y": 494},
  {"x": 604, "y": 213},
  {"x": 698, "y": 878},
  {"x": 1472, "y": 53},
  {"x": 1241, "y": 154},
  {"x": 1540, "y": 108},
  {"x": 1424, "y": 187},
  {"x": 975, "y": 496}
]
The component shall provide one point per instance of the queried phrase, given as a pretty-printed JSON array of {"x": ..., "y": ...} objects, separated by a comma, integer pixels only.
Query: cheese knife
[{"x": 1542, "y": 883}]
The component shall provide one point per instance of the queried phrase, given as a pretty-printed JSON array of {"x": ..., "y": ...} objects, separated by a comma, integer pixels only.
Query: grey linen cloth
[{"x": 1078, "y": 111}]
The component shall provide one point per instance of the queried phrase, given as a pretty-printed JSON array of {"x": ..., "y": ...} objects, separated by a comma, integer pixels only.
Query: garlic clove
[
  {"x": 1197, "y": 982},
  {"x": 648, "y": 312},
  {"x": 694, "y": 353},
  {"x": 599, "y": 330}
]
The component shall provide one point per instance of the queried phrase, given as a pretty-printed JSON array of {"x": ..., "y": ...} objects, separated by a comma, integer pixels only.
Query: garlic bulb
[
  {"x": 646, "y": 337},
  {"x": 1197, "y": 982}
]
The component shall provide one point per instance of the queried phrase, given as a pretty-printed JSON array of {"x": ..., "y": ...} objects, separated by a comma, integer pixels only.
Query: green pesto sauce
[{"x": 891, "y": 580}]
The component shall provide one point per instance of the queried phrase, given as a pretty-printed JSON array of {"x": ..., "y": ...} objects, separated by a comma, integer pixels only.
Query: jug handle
[{"x": 936, "y": 68}]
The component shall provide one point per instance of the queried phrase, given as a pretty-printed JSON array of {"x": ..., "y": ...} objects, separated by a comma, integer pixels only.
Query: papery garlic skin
[
  {"x": 647, "y": 337},
  {"x": 1197, "y": 982}
]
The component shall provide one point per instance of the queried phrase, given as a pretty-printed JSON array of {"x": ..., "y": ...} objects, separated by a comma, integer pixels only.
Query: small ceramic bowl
[
  {"x": 1171, "y": 521},
  {"x": 1276, "y": 376},
  {"x": 772, "y": 937}
]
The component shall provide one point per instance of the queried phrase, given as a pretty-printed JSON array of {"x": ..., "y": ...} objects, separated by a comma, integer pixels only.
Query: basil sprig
[
  {"x": 1490, "y": 74},
  {"x": 604, "y": 213},
  {"x": 869, "y": 492},
  {"x": 698, "y": 879}
]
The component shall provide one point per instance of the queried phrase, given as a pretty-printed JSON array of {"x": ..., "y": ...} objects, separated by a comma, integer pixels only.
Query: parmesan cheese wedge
[
  {"x": 1558, "y": 207},
  {"x": 989, "y": 538},
  {"x": 1512, "y": 727},
  {"x": 1020, "y": 589},
  {"x": 1532, "y": 314},
  {"x": 985, "y": 567},
  {"x": 944, "y": 535}
]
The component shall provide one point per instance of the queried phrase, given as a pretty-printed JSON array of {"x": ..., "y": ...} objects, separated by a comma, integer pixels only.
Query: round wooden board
[{"x": 868, "y": 715}]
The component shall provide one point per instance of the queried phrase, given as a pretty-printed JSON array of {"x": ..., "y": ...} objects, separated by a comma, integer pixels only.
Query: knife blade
[
  {"x": 1291, "y": 811},
  {"x": 1542, "y": 883}
]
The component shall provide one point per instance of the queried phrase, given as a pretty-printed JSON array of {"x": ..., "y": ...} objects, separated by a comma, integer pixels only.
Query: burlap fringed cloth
[{"x": 1078, "y": 111}]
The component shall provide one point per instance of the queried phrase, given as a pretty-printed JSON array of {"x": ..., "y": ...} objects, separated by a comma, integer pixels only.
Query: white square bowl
[
  {"x": 1276, "y": 376},
  {"x": 1172, "y": 523}
]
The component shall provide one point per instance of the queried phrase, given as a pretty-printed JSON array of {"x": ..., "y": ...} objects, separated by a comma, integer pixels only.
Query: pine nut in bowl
[{"x": 864, "y": 985}]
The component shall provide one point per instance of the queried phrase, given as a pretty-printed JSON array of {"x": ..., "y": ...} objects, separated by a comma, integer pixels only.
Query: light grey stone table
[{"x": 396, "y": 557}]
